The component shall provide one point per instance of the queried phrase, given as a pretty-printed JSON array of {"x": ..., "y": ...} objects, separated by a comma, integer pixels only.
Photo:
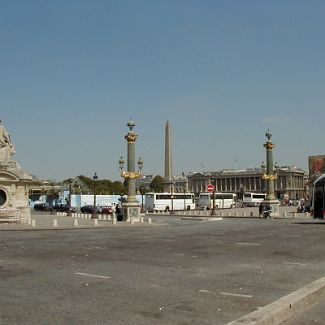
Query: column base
[
  {"x": 275, "y": 207},
  {"x": 131, "y": 210}
]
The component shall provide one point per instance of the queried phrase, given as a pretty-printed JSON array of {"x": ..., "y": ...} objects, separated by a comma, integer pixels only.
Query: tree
[{"x": 157, "y": 184}]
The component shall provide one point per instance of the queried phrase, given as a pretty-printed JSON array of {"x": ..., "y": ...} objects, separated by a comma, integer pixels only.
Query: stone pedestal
[
  {"x": 14, "y": 191},
  {"x": 275, "y": 208},
  {"x": 131, "y": 210},
  {"x": 14, "y": 184}
]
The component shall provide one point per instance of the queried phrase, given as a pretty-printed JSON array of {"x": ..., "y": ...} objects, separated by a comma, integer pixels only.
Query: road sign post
[{"x": 212, "y": 189}]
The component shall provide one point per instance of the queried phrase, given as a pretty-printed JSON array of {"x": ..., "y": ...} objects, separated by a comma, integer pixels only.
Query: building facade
[{"x": 291, "y": 181}]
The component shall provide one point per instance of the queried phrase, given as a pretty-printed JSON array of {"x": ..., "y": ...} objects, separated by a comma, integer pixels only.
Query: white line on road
[
  {"x": 205, "y": 291},
  {"x": 235, "y": 295},
  {"x": 249, "y": 244},
  {"x": 295, "y": 263},
  {"x": 93, "y": 275}
]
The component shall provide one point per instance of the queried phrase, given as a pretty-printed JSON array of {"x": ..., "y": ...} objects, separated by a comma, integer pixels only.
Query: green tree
[{"x": 157, "y": 184}]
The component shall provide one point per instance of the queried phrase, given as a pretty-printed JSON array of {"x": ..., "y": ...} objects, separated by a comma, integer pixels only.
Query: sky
[{"x": 223, "y": 72}]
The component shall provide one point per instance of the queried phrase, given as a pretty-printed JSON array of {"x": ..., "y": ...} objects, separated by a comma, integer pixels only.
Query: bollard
[
  {"x": 55, "y": 222},
  {"x": 149, "y": 221},
  {"x": 75, "y": 222},
  {"x": 236, "y": 214},
  {"x": 244, "y": 214},
  {"x": 252, "y": 214},
  {"x": 131, "y": 221},
  {"x": 114, "y": 220},
  {"x": 33, "y": 223},
  {"x": 284, "y": 214},
  {"x": 95, "y": 222},
  {"x": 294, "y": 214},
  {"x": 141, "y": 219}
]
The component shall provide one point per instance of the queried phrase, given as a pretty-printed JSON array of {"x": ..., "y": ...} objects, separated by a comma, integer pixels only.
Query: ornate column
[
  {"x": 131, "y": 207},
  {"x": 269, "y": 176}
]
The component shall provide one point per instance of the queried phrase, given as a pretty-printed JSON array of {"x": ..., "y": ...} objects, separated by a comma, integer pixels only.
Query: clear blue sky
[{"x": 73, "y": 72}]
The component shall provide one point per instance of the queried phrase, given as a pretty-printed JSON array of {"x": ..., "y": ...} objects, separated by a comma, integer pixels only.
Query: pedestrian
[{"x": 260, "y": 209}]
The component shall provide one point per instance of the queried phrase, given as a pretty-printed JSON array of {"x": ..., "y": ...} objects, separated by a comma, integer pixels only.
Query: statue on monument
[{"x": 7, "y": 149}]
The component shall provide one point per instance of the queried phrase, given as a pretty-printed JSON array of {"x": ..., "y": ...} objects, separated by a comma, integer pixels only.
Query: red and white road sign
[{"x": 210, "y": 188}]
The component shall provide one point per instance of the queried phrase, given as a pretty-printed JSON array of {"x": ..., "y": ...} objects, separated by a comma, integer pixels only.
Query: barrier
[
  {"x": 55, "y": 222},
  {"x": 95, "y": 222},
  {"x": 149, "y": 221},
  {"x": 75, "y": 222}
]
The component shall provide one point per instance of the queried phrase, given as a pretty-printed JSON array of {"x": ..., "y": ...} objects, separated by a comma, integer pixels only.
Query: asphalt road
[{"x": 174, "y": 272}]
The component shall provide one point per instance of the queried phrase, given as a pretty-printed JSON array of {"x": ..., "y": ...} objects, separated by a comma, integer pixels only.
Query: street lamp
[
  {"x": 172, "y": 196},
  {"x": 213, "y": 211},
  {"x": 69, "y": 200},
  {"x": 95, "y": 177},
  {"x": 184, "y": 189},
  {"x": 142, "y": 192}
]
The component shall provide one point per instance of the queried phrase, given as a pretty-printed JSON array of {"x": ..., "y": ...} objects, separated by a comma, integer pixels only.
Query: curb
[
  {"x": 203, "y": 218},
  {"x": 286, "y": 307}
]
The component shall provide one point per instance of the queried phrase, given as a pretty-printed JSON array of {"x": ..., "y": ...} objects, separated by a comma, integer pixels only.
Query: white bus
[
  {"x": 222, "y": 200},
  {"x": 251, "y": 199},
  {"x": 169, "y": 202}
]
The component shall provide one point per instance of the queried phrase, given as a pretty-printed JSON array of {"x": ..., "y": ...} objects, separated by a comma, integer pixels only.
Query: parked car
[
  {"x": 106, "y": 209},
  {"x": 44, "y": 206},
  {"x": 63, "y": 208},
  {"x": 87, "y": 209}
]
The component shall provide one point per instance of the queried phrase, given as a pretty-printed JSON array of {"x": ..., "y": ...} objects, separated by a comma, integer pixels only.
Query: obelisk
[{"x": 168, "y": 182}]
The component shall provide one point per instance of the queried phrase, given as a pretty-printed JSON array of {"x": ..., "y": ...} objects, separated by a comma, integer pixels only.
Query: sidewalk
[{"x": 54, "y": 222}]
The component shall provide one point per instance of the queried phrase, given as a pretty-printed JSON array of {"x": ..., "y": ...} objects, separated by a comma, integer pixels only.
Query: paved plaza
[{"x": 170, "y": 272}]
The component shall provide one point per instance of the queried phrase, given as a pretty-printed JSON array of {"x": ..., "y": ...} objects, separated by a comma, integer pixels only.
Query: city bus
[
  {"x": 222, "y": 200},
  {"x": 169, "y": 201},
  {"x": 251, "y": 199},
  {"x": 318, "y": 198}
]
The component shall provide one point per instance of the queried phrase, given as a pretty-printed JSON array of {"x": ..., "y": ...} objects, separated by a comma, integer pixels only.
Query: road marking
[
  {"x": 205, "y": 291},
  {"x": 93, "y": 275},
  {"x": 295, "y": 263},
  {"x": 235, "y": 295},
  {"x": 249, "y": 244},
  {"x": 178, "y": 254}
]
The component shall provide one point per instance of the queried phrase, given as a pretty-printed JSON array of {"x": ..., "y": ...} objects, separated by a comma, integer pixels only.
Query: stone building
[
  {"x": 291, "y": 181},
  {"x": 14, "y": 183}
]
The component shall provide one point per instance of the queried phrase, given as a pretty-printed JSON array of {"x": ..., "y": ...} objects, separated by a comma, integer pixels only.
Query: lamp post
[
  {"x": 95, "y": 177},
  {"x": 172, "y": 196},
  {"x": 184, "y": 189},
  {"x": 131, "y": 207},
  {"x": 213, "y": 211},
  {"x": 142, "y": 192},
  {"x": 69, "y": 200}
]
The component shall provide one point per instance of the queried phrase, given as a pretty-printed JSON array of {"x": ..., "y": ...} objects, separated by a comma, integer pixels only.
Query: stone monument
[
  {"x": 14, "y": 183},
  {"x": 270, "y": 177},
  {"x": 168, "y": 180}
]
